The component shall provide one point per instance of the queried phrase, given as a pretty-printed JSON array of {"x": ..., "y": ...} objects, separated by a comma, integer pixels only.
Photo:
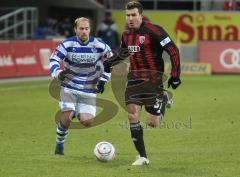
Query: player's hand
[
  {"x": 107, "y": 66},
  {"x": 116, "y": 58},
  {"x": 63, "y": 75},
  {"x": 100, "y": 86},
  {"x": 174, "y": 82}
]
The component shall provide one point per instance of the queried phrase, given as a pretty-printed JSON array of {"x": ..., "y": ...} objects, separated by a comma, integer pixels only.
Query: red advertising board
[
  {"x": 223, "y": 56},
  {"x": 55, "y": 44},
  {"x": 25, "y": 59},
  {"x": 7, "y": 65},
  {"x": 43, "y": 50}
]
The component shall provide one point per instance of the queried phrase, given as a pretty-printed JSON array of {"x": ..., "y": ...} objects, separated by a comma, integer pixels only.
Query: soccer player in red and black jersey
[{"x": 145, "y": 43}]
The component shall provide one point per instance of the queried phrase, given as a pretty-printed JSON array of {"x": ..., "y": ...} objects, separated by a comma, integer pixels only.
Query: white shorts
[{"x": 78, "y": 102}]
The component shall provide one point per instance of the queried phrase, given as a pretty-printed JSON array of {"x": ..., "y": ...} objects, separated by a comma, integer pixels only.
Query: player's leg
[
  {"x": 153, "y": 120},
  {"x": 133, "y": 101},
  {"x": 86, "y": 119},
  {"x": 87, "y": 110},
  {"x": 137, "y": 133},
  {"x": 155, "y": 113},
  {"x": 62, "y": 131},
  {"x": 156, "y": 109},
  {"x": 67, "y": 107}
]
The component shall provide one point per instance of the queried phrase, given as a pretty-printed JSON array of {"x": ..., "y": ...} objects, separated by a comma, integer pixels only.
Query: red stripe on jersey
[
  {"x": 139, "y": 55},
  {"x": 149, "y": 57},
  {"x": 153, "y": 28},
  {"x": 151, "y": 61},
  {"x": 125, "y": 38},
  {"x": 174, "y": 60},
  {"x": 130, "y": 40}
]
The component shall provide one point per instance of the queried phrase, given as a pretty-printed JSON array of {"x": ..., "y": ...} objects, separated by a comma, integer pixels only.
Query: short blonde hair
[{"x": 81, "y": 19}]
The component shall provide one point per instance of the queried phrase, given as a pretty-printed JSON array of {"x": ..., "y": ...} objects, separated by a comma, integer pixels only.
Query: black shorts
[
  {"x": 157, "y": 110},
  {"x": 146, "y": 94}
]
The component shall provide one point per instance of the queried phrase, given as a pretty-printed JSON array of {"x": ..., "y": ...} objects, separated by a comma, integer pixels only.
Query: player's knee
[
  {"x": 152, "y": 124},
  {"x": 133, "y": 113},
  {"x": 87, "y": 123},
  {"x": 66, "y": 118},
  {"x": 133, "y": 116}
]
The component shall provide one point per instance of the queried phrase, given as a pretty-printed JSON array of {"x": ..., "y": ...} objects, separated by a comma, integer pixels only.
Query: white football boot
[{"x": 140, "y": 161}]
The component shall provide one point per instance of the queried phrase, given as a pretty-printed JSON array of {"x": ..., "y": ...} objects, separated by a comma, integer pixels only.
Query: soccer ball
[{"x": 104, "y": 151}]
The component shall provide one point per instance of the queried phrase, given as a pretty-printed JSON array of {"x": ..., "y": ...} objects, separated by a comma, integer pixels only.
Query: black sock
[{"x": 137, "y": 137}]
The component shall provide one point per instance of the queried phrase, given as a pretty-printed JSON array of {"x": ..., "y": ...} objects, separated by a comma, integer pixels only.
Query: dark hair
[{"x": 134, "y": 4}]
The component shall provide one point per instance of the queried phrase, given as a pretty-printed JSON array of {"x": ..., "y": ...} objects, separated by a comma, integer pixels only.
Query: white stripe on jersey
[{"x": 84, "y": 60}]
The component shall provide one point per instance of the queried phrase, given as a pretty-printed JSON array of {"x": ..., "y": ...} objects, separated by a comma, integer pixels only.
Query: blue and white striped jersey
[{"x": 85, "y": 62}]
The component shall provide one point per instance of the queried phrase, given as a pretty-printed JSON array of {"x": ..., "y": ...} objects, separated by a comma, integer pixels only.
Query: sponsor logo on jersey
[
  {"x": 141, "y": 39},
  {"x": 133, "y": 48},
  {"x": 83, "y": 58},
  {"x": 74, "y": 50},
  {"x": 94, "y": 49}
]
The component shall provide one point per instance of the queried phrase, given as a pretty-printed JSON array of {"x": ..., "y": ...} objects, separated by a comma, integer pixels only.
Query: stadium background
[{"x": 200, "y": 135}]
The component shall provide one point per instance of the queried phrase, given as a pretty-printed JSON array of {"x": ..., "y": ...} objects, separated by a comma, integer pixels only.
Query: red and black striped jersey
[{"x": 146, "y": 46}]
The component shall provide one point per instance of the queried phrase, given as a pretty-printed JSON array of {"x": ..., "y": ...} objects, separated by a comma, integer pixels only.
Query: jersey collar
[{"x": 91, "y": 38}]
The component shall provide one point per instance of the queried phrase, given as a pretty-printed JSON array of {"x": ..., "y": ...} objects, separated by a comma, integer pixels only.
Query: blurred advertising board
[
  {"x": 25, "y": 58},
  {"x": 43, "y": 51},
  {"x": 223, "y": 56},
  {"x": 7, "y": 63},
  {"x": 188, "y": 68},
  {"x": 187, "y": 28}
]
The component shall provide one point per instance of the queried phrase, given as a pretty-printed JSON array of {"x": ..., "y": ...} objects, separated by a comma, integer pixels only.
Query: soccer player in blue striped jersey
[{"x": 82, "y": 78}]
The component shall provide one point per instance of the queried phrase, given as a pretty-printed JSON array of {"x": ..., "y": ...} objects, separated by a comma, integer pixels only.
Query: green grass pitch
[{"x": 200, "y": 135}]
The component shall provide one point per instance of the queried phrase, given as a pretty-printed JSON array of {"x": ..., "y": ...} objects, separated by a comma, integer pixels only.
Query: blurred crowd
[
  {"x": 107, "y": 30},
  {"x": 52, "y": 28}
]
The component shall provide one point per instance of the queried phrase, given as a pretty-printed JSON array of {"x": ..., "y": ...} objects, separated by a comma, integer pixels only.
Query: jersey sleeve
[
  {"x": 107, "y": 53},
  {"x": 170, "y": 47},
  {"x": 123, "y": 52},
  {"x": 56, "y": 58},
  {"x": 122, "y": 43}
]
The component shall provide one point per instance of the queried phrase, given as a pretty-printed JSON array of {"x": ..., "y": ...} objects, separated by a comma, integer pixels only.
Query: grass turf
[{"x": 198, "y": 138}]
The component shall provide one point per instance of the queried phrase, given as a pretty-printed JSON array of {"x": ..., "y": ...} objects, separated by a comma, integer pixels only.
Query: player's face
[
  {"x": 133, "y": 18},
  {"x": 82, "y": 30}
]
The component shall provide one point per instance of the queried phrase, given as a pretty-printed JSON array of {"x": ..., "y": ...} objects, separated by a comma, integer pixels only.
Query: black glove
[
  {"x": 107, "y": 64},
  {"x": 121, "y": 55},
  {"x": 62, "y": 75},
  {"x": 100, "y": 86},
  {"x": 107, "y": 67},
  {"x": 174, "y": 82}
]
